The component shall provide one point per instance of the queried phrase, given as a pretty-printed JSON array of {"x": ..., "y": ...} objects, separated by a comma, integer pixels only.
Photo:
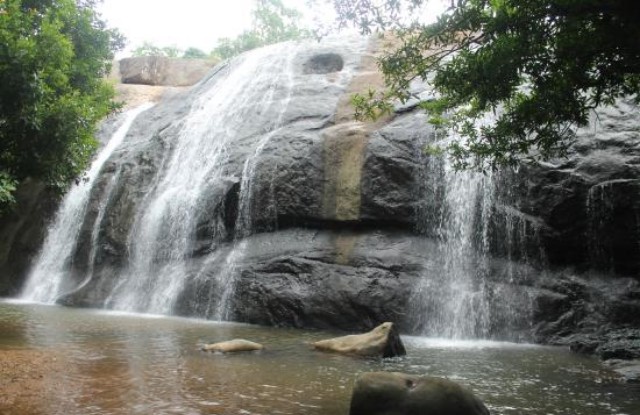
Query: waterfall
[
  {"x": 169, "y": 228},
  {"x": 255, "y": 90},
  {"x": 451, "y": 299},
  {"x": 244, "y": 223},
  {"x": 46, "y": 281}
]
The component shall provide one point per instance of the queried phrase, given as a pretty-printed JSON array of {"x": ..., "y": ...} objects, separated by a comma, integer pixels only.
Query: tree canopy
[
  {"x": 194, "y": 53},
  {"x": 149, "y": 49},
  {"x": 540, "y": 66},
  {"x": 273, "y": 22},
  {"x": 54, "y": 55}
]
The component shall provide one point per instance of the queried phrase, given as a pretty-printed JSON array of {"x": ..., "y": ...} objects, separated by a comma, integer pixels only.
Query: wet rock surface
[
  {"x": 629, "y": 370},
  {"x": 586, "y": 207}
]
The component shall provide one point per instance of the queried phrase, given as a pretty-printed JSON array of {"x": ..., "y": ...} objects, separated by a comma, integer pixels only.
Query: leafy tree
[
  {"x": 540, "y": 65},
  {"x": 54, "y": 55},
  {"x": 147, "y": 49},
  {"x": 194, "y": 53},
  {"x": 272, "y": 23},
  {"x": 172, "y": 51}
]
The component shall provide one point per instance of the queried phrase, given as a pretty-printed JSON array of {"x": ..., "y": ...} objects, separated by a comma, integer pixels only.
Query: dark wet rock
[
  {"x": 324, "y": 63},
  {"x": 390, "y": 393},
  {"x": 594, "y": 315},
  {"x": 586, "y": 208},
  {"x": 629, "y": 370},
  {"x": 382, "y": 341},
  {"x": 391, "y": 171},
  {"x": 348, "y": 280},
  {"x": 620, "y": 344}
]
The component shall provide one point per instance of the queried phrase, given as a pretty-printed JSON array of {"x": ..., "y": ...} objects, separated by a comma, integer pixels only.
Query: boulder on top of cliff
[
  {"x": 163, "y": 71},
  {"x": 382, "y": 341},
  {"x": 390, "y": 393}
]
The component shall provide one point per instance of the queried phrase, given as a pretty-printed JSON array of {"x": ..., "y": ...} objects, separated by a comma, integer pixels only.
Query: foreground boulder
[
  {"x": 231, "y": 346},
  {"x": 383, "y": 341},
  {"x": 390, "y": 393}
]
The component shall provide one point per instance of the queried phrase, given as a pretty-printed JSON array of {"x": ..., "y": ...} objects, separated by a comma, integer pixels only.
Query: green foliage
[
  {"x": 194, "y": 53},
  {"x": 272, "y": 23},
  {"x": 149, "y": 49},
  {"x": 172, "y": 51},
  {"x": 54, "y": 55},
  {"x": 7, "y": 187},
  {"x": 540, "y": 66}
]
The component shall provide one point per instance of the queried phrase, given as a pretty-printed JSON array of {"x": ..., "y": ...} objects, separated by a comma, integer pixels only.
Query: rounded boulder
[{"x": 391, "y": 393}]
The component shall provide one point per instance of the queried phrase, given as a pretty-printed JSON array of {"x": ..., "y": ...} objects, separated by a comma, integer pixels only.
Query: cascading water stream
[
  {"x": 244, "y": 223},
  {"x": 451, "y": 301},
  {"x": 46, "y": 280},
  {"x": 257, "y": 87}
]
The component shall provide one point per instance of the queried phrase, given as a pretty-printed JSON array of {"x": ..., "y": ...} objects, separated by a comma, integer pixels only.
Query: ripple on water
[{"x": 114, "y": 364}]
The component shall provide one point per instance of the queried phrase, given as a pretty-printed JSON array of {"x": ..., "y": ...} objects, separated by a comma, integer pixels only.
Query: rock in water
[
  {"x": 389, "y": 393},
  {"x": 382, "y": 341},
  {"x": 230, "y": 346}
]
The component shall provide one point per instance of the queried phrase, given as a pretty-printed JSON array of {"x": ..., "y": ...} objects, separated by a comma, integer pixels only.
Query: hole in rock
[{"x": 323, "y": 63}]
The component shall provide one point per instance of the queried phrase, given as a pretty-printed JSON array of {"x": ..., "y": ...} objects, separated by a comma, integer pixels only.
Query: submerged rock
[
  {"x": 231, "y": 346},
  {"x": 391, "y": 393},
  {"x": 382, "y": 341}
]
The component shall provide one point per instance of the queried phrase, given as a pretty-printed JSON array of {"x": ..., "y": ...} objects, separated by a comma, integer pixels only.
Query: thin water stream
[
  {"x": 46, "y": 281},
  {"x": 109, "y": 363}
]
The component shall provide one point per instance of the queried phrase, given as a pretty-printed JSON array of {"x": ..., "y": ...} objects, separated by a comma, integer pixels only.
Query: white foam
[{"x": 443, "y": 343}]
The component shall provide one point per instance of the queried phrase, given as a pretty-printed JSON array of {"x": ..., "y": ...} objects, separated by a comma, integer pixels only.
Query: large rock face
[
  {"x": 582, "y": 214},
  {"x": 585, "y": 209},
  {"x": 308, "y": 218}
]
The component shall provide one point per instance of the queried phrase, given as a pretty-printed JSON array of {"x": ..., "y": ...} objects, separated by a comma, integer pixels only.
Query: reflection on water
[{"x": 126, "y": 364}]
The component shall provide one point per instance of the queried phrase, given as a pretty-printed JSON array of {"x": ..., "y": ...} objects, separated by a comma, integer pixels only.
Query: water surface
[{"x": 113, "y": 363}]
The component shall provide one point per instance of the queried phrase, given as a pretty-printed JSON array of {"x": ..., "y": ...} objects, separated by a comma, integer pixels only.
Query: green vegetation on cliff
[
  {"x": 540, "y": 66},
  {"x": 273, "y": 22},
  {"x": 54, "y": 55}
]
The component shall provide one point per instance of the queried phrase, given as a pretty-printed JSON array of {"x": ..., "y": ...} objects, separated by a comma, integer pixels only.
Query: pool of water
[{"x": 110, "y": 363}]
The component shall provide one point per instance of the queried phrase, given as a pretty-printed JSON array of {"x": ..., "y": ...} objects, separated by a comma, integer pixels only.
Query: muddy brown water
[{"x": 95, "y": 362}]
